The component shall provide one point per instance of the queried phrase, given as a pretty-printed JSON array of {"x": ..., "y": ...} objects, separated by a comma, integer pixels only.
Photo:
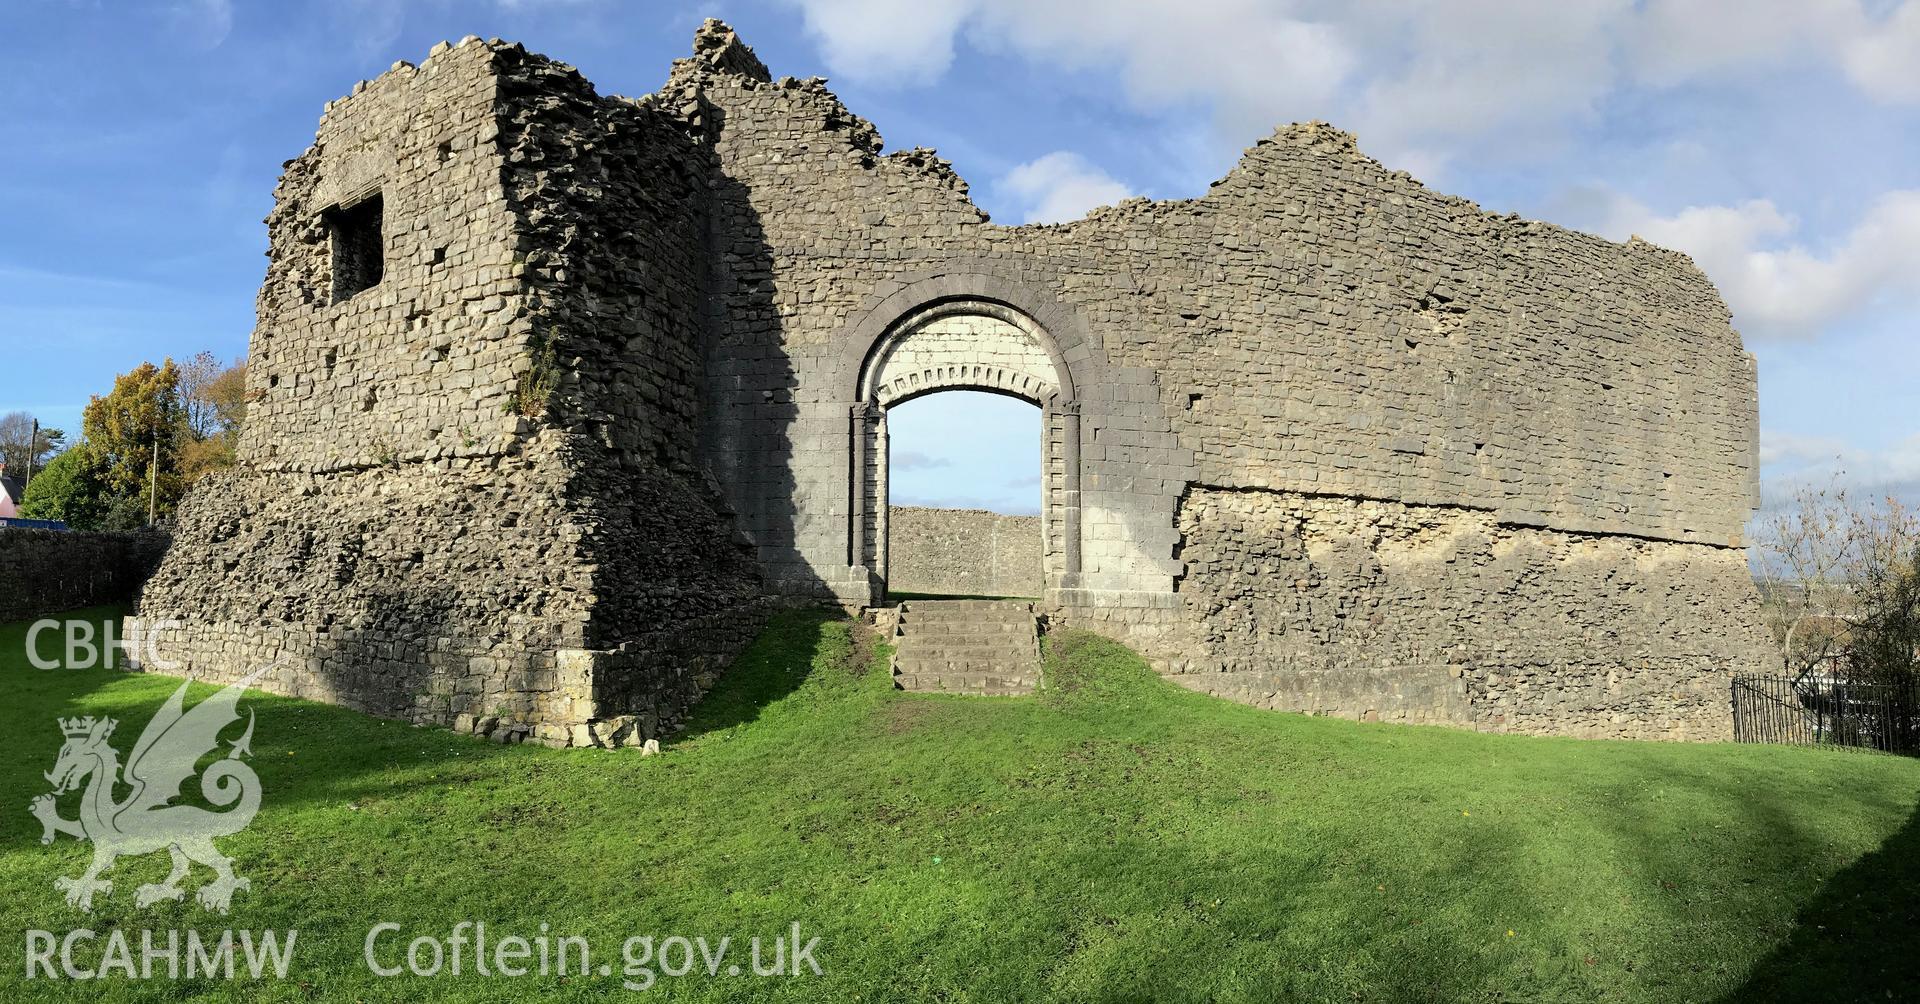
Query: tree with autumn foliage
[
  {"x": 213, "y": 403},
  {"x": 184, "y": 417},
  {"x": 126, "y": 431}
]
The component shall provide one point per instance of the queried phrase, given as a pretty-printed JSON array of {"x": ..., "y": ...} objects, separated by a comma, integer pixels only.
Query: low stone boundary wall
[
  {"x": 46, "y": 571},
  {"x": 969, "y": 552}
]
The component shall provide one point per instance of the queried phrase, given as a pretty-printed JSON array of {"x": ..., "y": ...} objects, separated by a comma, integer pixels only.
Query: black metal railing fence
[{"x": 1826, "y": 711}]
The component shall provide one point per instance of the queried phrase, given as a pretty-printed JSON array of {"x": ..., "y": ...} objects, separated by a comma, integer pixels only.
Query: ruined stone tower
[{"x": 555, "y": 393}]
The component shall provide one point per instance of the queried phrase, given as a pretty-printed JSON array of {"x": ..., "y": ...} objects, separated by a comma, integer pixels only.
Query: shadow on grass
[
  {"x": 778, "y": 663},
  {"x": 316, "y": 754},
  {"x": 304, "y": 752},
  {"x": 1121, "y": 839},
  {"x": 1856, "y": 940}
]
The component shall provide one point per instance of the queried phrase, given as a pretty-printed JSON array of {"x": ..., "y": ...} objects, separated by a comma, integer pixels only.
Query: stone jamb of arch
[{"x": 903, "y": 306}]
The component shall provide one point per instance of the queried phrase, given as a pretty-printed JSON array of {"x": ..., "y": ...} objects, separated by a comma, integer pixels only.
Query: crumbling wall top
[{"x": 718, "y": 47}]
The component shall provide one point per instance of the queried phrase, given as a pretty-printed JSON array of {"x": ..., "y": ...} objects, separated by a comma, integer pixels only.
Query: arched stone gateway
[
  {"x": 1320, "y": 439},
  {"x": 982, "y": 324},
  {"x": 966, "y": 343}
]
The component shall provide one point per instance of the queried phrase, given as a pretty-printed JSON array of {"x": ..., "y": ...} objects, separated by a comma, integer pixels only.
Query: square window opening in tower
[{"x": 358, "y": 251}]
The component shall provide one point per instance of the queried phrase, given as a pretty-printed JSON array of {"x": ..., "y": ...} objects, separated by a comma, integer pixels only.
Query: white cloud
[
  {"x": 1885, "y": 62},
  {"x": 1243, "y": 53},
  {"x": 1446, "y": 72},
  {"x": 1778, "y": 288},
  {"x": 1418, "y": 81},
  {"x": 1060, "y": 186},
  {"x": 914, "y": 460},
  {"x": 1673, "y": 41},
  {"x": 1791, "y": 462},
  {"x": 1788, "y": 447},
  {"x": 875, "y": 40},
  {"x": 1246, "y": 55}
]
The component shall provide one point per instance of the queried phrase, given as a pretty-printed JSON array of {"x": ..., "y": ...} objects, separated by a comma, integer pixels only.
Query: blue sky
[
  {"x": 1778, "y": 141},
  {"x": 965, "y": 450}
]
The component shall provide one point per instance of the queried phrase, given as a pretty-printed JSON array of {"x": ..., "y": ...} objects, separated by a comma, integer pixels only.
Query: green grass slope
[{"x": 1115, "y": 838}]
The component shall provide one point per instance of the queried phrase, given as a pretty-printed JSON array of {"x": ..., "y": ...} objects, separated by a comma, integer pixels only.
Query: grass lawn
[{"x": 1116, "y": 838}]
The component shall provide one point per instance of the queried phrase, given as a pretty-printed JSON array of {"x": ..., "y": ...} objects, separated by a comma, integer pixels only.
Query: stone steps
[
  {"x": 938, "y": 628},
  {"x": 1006, "y": 643},
  {"x": 988, "y": 684},
  {"x": 965, "y": 611},
  {"x": 967, "y": 647}
]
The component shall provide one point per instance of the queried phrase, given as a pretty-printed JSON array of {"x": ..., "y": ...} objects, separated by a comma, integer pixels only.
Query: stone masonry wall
[
  {"x": 420, "y": 367},
  {"x": 969, "y": 552},
  {"x": 1315, "y": 325},
  {"x": 409, "y": 591},
  {"x": 1428, "y": 613},
  {"x": 622, "y": 385},
  {"x": 467, "y": 494},
  {"x": 45, "y": 572},
  {"x": 612, "y": 195},
  {"x": 1315, "y": 322},
  {"x": 971, "y": 350}
]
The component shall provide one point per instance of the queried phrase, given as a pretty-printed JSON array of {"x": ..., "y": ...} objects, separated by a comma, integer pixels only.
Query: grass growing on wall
[
  {"x": 1114, "y": 838},
  {"x": 534, "y": 388}
]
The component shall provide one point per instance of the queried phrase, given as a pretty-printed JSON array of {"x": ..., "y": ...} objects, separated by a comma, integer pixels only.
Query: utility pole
[
  {"x": 33, "y": 449},
  {"x": 153, "y": 481}
]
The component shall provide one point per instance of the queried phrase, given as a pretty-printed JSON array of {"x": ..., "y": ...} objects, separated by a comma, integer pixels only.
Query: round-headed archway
[{"x": 967, "y": 344}]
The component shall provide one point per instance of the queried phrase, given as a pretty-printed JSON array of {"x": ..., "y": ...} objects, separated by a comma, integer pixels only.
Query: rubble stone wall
[
  {"x": 467, "y": 495},
  {"x": 966, "y": 552},
  {"x": 45, "y": 572},
  {"x": 1389, "y": 610}
]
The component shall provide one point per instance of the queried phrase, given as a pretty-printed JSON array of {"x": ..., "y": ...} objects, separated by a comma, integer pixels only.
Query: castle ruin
[{"x": 556, "y": 394}]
